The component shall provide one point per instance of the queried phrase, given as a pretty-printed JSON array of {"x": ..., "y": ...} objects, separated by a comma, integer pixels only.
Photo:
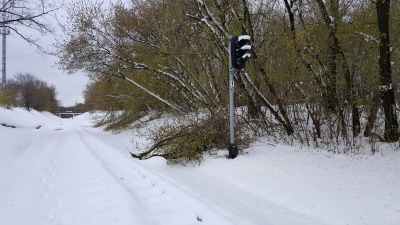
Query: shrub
[{"x": 184, "y": 139}]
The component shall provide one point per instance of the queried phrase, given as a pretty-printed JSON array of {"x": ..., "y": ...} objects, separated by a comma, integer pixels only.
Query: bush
[
  {"x": 30, "y": 92},
  {"x": 184, "y": 139}
]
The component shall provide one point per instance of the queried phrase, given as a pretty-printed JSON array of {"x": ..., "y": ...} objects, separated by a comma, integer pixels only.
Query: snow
[
  {"x": 19, "y": 117},
  {"x": 156, "y": 162},
  {"x": 67, "y": 172},
  {"x": 244, "y": 37},
  {"x": 367, "y": 37},
  {"x": 385, "y": 87},
  {"x": 246, "y": 56},
  {"x": 246, "y": 47}
]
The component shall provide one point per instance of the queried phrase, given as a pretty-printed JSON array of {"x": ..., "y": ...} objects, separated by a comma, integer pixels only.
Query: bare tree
[
  {"x": 15, "y": 15},
  {"x": 391, "y": 133},
  {"x": 34, "y": 93}
]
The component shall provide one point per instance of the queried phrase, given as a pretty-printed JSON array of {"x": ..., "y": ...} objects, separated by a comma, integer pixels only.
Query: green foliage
[
  {"x": 27, "y": 91},
  {"x": 184, "y": 139},
  {"x": 312, "y": 78},
  {"x": 123, "y": 103},
  {"x": 7, "y": 97}
]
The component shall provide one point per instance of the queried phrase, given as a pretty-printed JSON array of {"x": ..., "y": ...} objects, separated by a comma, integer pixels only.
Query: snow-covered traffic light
[{"x": 239, "y": 51}]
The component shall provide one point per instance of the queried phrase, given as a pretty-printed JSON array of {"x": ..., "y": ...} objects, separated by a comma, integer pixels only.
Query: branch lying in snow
[{"x": 159, "y": 144}]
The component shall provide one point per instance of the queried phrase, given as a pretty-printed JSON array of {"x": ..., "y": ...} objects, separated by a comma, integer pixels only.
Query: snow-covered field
[{"x": 63, "y": 171}]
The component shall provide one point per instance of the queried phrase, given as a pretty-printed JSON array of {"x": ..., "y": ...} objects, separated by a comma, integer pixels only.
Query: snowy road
[
  {"x": 75, "y": 178},
  {"x": 68, "y": 172}
]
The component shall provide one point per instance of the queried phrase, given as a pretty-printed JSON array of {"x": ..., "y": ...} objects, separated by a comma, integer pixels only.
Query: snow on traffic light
[{"x": 239, "y": 51}]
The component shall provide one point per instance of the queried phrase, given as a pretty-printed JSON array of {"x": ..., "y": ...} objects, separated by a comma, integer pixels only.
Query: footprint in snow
[
  {"x": 50, "y": 215},
  {"x": 60, "y": 202},
  {"x": 46, "y": 195},
  {"x": 67, "y": 219},
  {"x": 51, "y": 172}
]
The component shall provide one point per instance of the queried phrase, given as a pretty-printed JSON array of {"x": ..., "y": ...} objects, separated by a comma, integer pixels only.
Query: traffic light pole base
[{"x": 233, "y": 151}]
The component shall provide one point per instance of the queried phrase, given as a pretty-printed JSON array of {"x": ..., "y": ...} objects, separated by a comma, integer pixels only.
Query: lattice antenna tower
[{"x": 7, "y": 6}]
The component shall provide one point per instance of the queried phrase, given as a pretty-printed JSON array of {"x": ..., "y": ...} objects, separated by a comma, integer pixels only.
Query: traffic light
[{"x": 239, "y": 51}]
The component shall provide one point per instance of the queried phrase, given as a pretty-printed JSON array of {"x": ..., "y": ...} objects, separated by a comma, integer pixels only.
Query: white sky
[{"x": 23, "y": 57}]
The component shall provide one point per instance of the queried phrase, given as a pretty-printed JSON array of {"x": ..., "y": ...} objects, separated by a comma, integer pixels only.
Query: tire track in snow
[
  {"x": 166, "y": 203},
  {"x": 100, "y": 198},
  {"x": 77, "y": 189}
]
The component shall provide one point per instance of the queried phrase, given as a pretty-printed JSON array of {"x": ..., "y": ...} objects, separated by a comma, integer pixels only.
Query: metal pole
[
  {"x": 4, "y": 31},
  {"x": 233, "y": 150},
  {"x": 231, "y": 106},
  {"x": 4, "y": 59}
]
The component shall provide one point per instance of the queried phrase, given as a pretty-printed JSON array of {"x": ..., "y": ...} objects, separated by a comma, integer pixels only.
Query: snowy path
[
  {"x": 78, "y": 179},
  {"x": 67, "y": 172}
]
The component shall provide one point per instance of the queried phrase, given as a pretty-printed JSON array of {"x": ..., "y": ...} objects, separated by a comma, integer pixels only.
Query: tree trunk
[
  {"x": 372, "y": 115},
  {"x": 333, "y": 50},
  {"x": 336, "y": 53},
  {"x": 391, "y": 133}
]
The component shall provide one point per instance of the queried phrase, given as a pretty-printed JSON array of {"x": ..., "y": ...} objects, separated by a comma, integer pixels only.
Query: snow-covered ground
[{"x": 63, "y": 171}]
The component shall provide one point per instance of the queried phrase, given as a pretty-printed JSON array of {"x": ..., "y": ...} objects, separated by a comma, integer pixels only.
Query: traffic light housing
[{"x": 239, "y": 51}]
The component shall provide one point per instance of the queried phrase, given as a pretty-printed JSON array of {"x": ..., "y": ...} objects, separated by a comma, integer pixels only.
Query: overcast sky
[{"x": 23, "y": 57}]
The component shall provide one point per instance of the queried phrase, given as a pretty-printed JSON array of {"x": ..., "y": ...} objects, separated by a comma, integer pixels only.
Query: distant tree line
[
  {"x": 26, "y": 90},
  {"x": 323, "y": 73}
]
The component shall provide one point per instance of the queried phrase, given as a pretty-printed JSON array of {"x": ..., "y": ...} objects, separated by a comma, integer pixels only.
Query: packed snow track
[
  {"x": 83, "y": 180},
  {"x": 64, "y": 171}
]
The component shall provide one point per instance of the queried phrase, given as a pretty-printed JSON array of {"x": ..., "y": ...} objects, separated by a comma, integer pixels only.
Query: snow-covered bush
[{"x": 183, "y": 139}]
